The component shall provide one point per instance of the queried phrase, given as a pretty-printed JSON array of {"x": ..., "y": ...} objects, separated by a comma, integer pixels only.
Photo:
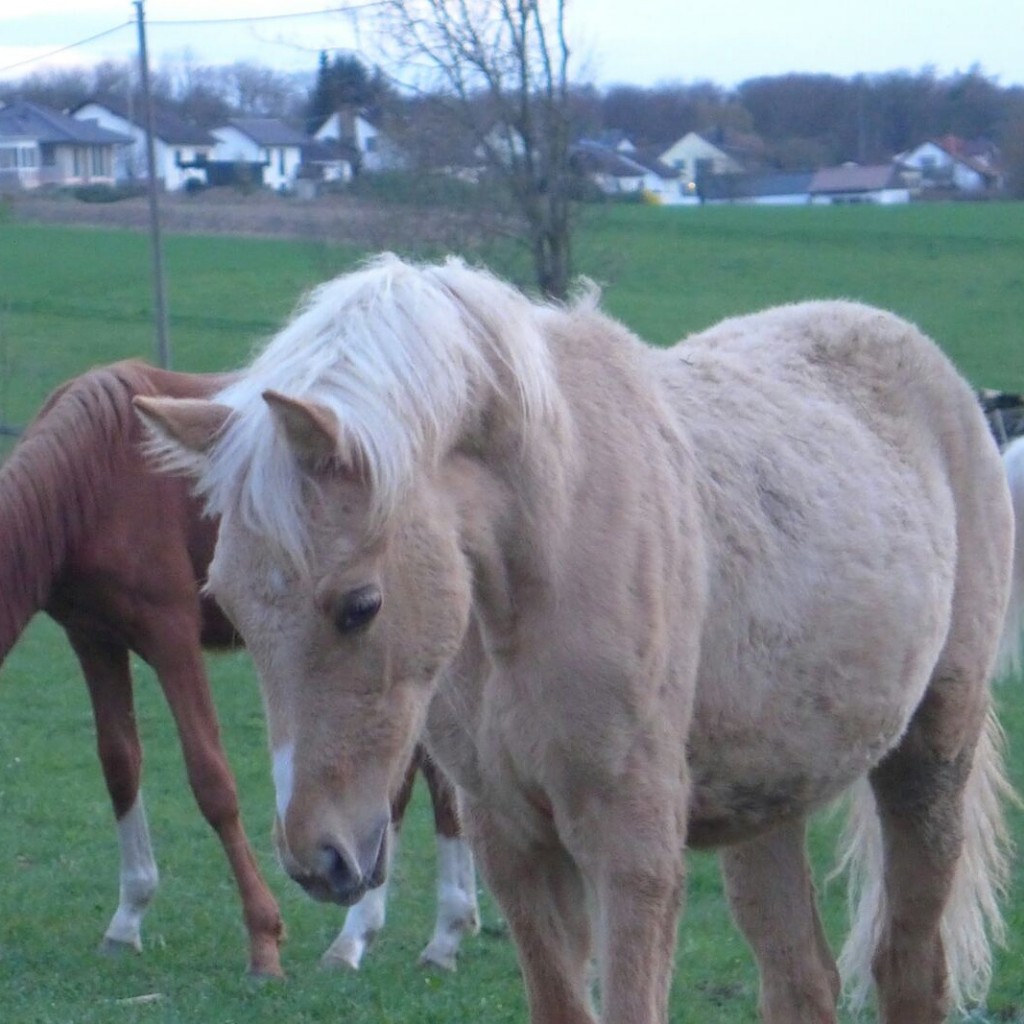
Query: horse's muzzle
[{"x": 343, "y": 875}]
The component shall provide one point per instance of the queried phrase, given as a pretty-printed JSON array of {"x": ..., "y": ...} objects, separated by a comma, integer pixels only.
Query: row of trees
[
  {"x": 495, "y": 81},
  {"x": 790, "y": 121}
]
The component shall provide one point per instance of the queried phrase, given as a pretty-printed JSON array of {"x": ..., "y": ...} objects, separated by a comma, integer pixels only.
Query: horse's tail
[
  {"x": 972, "y": 917},
  {"x": 53, "y": 483},
  {"x": 1010, "y": 660}
]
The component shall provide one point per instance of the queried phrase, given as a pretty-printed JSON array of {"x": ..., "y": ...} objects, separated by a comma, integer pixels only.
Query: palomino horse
[
  {"x": 116, "y": 554},
  {"x": 641, "y": 599},
  {"x": 1011, "y": 657}
]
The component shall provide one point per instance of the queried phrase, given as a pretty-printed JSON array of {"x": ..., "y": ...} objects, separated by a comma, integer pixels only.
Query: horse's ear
[
  {"x": 189, "y": 423},
  {"x": 313, "y": 432}
]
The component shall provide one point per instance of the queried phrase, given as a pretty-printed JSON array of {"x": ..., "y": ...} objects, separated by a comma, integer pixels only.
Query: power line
[
  {"x": 346, "y": 9},
  {"x": 355, "y": 8},
  {"x": 70, "y": 46}
]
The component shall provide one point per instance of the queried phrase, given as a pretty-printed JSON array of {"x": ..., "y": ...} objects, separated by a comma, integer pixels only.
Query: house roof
[
  {"x": 346, "y": 118},
  {"x": 752, "y": 186},
  {"x": 268, "y": 131},
  {"x": 44, "y": 124},
  {"x": 593, "y": 158},
  {"x": 613, "y": 138},
  {"x": 855, "y": 178},
  {"x": 168, "y": 127}
]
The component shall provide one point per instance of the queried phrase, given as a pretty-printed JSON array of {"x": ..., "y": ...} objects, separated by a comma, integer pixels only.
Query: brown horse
[
  {"x": 116, "y": 554},
  {"x": 643, "y": 599}
]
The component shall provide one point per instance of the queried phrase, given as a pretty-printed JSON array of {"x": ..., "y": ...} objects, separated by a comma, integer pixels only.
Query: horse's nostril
[{"x": 346, "y": 881}]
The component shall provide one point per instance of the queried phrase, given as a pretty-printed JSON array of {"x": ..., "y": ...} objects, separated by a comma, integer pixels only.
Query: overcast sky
[{"x": 643, "y": 42}]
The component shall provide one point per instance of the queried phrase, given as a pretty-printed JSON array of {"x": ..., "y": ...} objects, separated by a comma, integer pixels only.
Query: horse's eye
[{"x": 357, "y": 608}]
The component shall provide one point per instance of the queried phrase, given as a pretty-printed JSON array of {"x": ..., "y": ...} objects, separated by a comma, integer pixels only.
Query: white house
[
  {"x": 953, "y": 163},
  {"x": 374, "y": 150},
  {"x": 42, "y": 146},
  {"x": 619, "y": 172},
  {"x": 693, "y": 158},
  {"x": 266, "y": 141},
  {"x": 180, "y": 149}
]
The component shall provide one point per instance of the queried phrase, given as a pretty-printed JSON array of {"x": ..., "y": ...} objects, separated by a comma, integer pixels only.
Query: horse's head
[{"x": 348, "y": 639}]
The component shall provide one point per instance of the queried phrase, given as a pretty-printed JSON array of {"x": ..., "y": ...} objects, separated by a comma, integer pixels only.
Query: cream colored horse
[
  {"x": 640, "y": 600},
  {"x": 1011, "y": 656}
]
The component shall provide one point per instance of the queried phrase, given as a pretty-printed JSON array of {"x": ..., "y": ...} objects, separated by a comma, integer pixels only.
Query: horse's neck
[
  {"x": 32, "y": 550},
  {"x": 577, "y": 503}
]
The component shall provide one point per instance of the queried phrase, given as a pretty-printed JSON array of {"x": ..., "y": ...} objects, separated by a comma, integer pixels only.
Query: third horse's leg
[
  {"x": 458, "y": 913},
  {"x": 109, "y": 680}
]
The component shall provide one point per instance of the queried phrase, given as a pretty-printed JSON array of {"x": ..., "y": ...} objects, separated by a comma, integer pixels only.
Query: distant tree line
[
  {"x": 804, "y": 121},
  {"x": 784, "y": 121}
]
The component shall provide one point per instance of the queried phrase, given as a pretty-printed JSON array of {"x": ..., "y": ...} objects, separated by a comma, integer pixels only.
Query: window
[
  {"x": 8, "y": 158},
  {"x": 280, "y": 161}
]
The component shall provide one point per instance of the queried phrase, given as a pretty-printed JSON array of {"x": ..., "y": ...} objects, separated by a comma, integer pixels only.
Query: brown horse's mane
[{"x": 59, "y": 475}]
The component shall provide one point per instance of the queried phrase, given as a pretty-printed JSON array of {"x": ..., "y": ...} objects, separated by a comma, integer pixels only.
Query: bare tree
[{"x": 501, "y": 66}]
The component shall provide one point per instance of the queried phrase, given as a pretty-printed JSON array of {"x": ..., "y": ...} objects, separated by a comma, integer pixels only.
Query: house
[
  {"x": 694, "y": 158},
  {"x": 880, "y": 184},
  {"x": 42, "y": 146},
  {"x": 773, "y": 188},
  {"x": 615, "y": 139},
  {"x": 263, "y": 143},
  {"x": 618, "y": 172},
  {"x": 355, "y": 130},
  {"x": 954, "y": 164},
  {"x": 327, "y": 161},
  {"x": 883, "y": 184},
  {"x": 180, "y": 149}
]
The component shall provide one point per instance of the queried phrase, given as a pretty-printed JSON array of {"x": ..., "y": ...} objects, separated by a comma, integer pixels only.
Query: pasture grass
[{"x": 72, "y": 298}]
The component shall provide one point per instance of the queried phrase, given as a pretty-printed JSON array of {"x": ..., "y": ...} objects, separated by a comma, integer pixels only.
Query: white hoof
[
  {"x": 345, "y": 953},
  {"x": 438, "y": 957}
]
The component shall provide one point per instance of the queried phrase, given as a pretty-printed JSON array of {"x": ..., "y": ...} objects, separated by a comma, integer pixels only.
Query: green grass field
[{"x": 70, "y": 299}]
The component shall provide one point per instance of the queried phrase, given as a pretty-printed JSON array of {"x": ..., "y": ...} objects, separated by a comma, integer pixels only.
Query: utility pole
[{"x": 163, "y": 343}]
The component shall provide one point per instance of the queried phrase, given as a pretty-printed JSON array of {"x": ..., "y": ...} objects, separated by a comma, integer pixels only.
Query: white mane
[{"x": 399, "y": 353}]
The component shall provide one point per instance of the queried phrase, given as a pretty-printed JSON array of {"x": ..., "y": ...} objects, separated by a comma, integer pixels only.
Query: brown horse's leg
[
  {"x": 541, "y": 893},
  {"x": 365, "y": 919},
  {"x": 919, "y": 793},
  {"x": 772, "y": 898},
  {"x": 457, "y": 911},
  {"x": 186, "y": 688},
  {"x": 108, "y": 677}
]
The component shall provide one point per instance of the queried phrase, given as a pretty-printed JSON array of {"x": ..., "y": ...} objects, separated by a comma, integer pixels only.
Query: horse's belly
[
  {"x": 727, "y": 812},
  {"x": 752, "y": 777}
]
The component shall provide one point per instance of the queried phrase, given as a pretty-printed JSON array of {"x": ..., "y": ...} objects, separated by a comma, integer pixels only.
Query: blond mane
[{"x": 402, "y": 354}]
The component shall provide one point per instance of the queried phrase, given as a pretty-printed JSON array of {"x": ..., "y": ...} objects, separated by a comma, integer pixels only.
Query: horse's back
[{"x": 88, "y": 520}]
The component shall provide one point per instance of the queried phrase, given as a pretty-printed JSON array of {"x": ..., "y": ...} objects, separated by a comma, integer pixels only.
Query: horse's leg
[
  {"x": 183, "y": 678},
  {"x": 631, "y": 849},
  {"x": 108, "y": 677},
  {"x": 542, "y": 895},
  {"x": 771, "y": 893},
  {"x": 919, "y": 792},
  {"x": 365, "y": 919},
  {"x": 457, "y": 911}
]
